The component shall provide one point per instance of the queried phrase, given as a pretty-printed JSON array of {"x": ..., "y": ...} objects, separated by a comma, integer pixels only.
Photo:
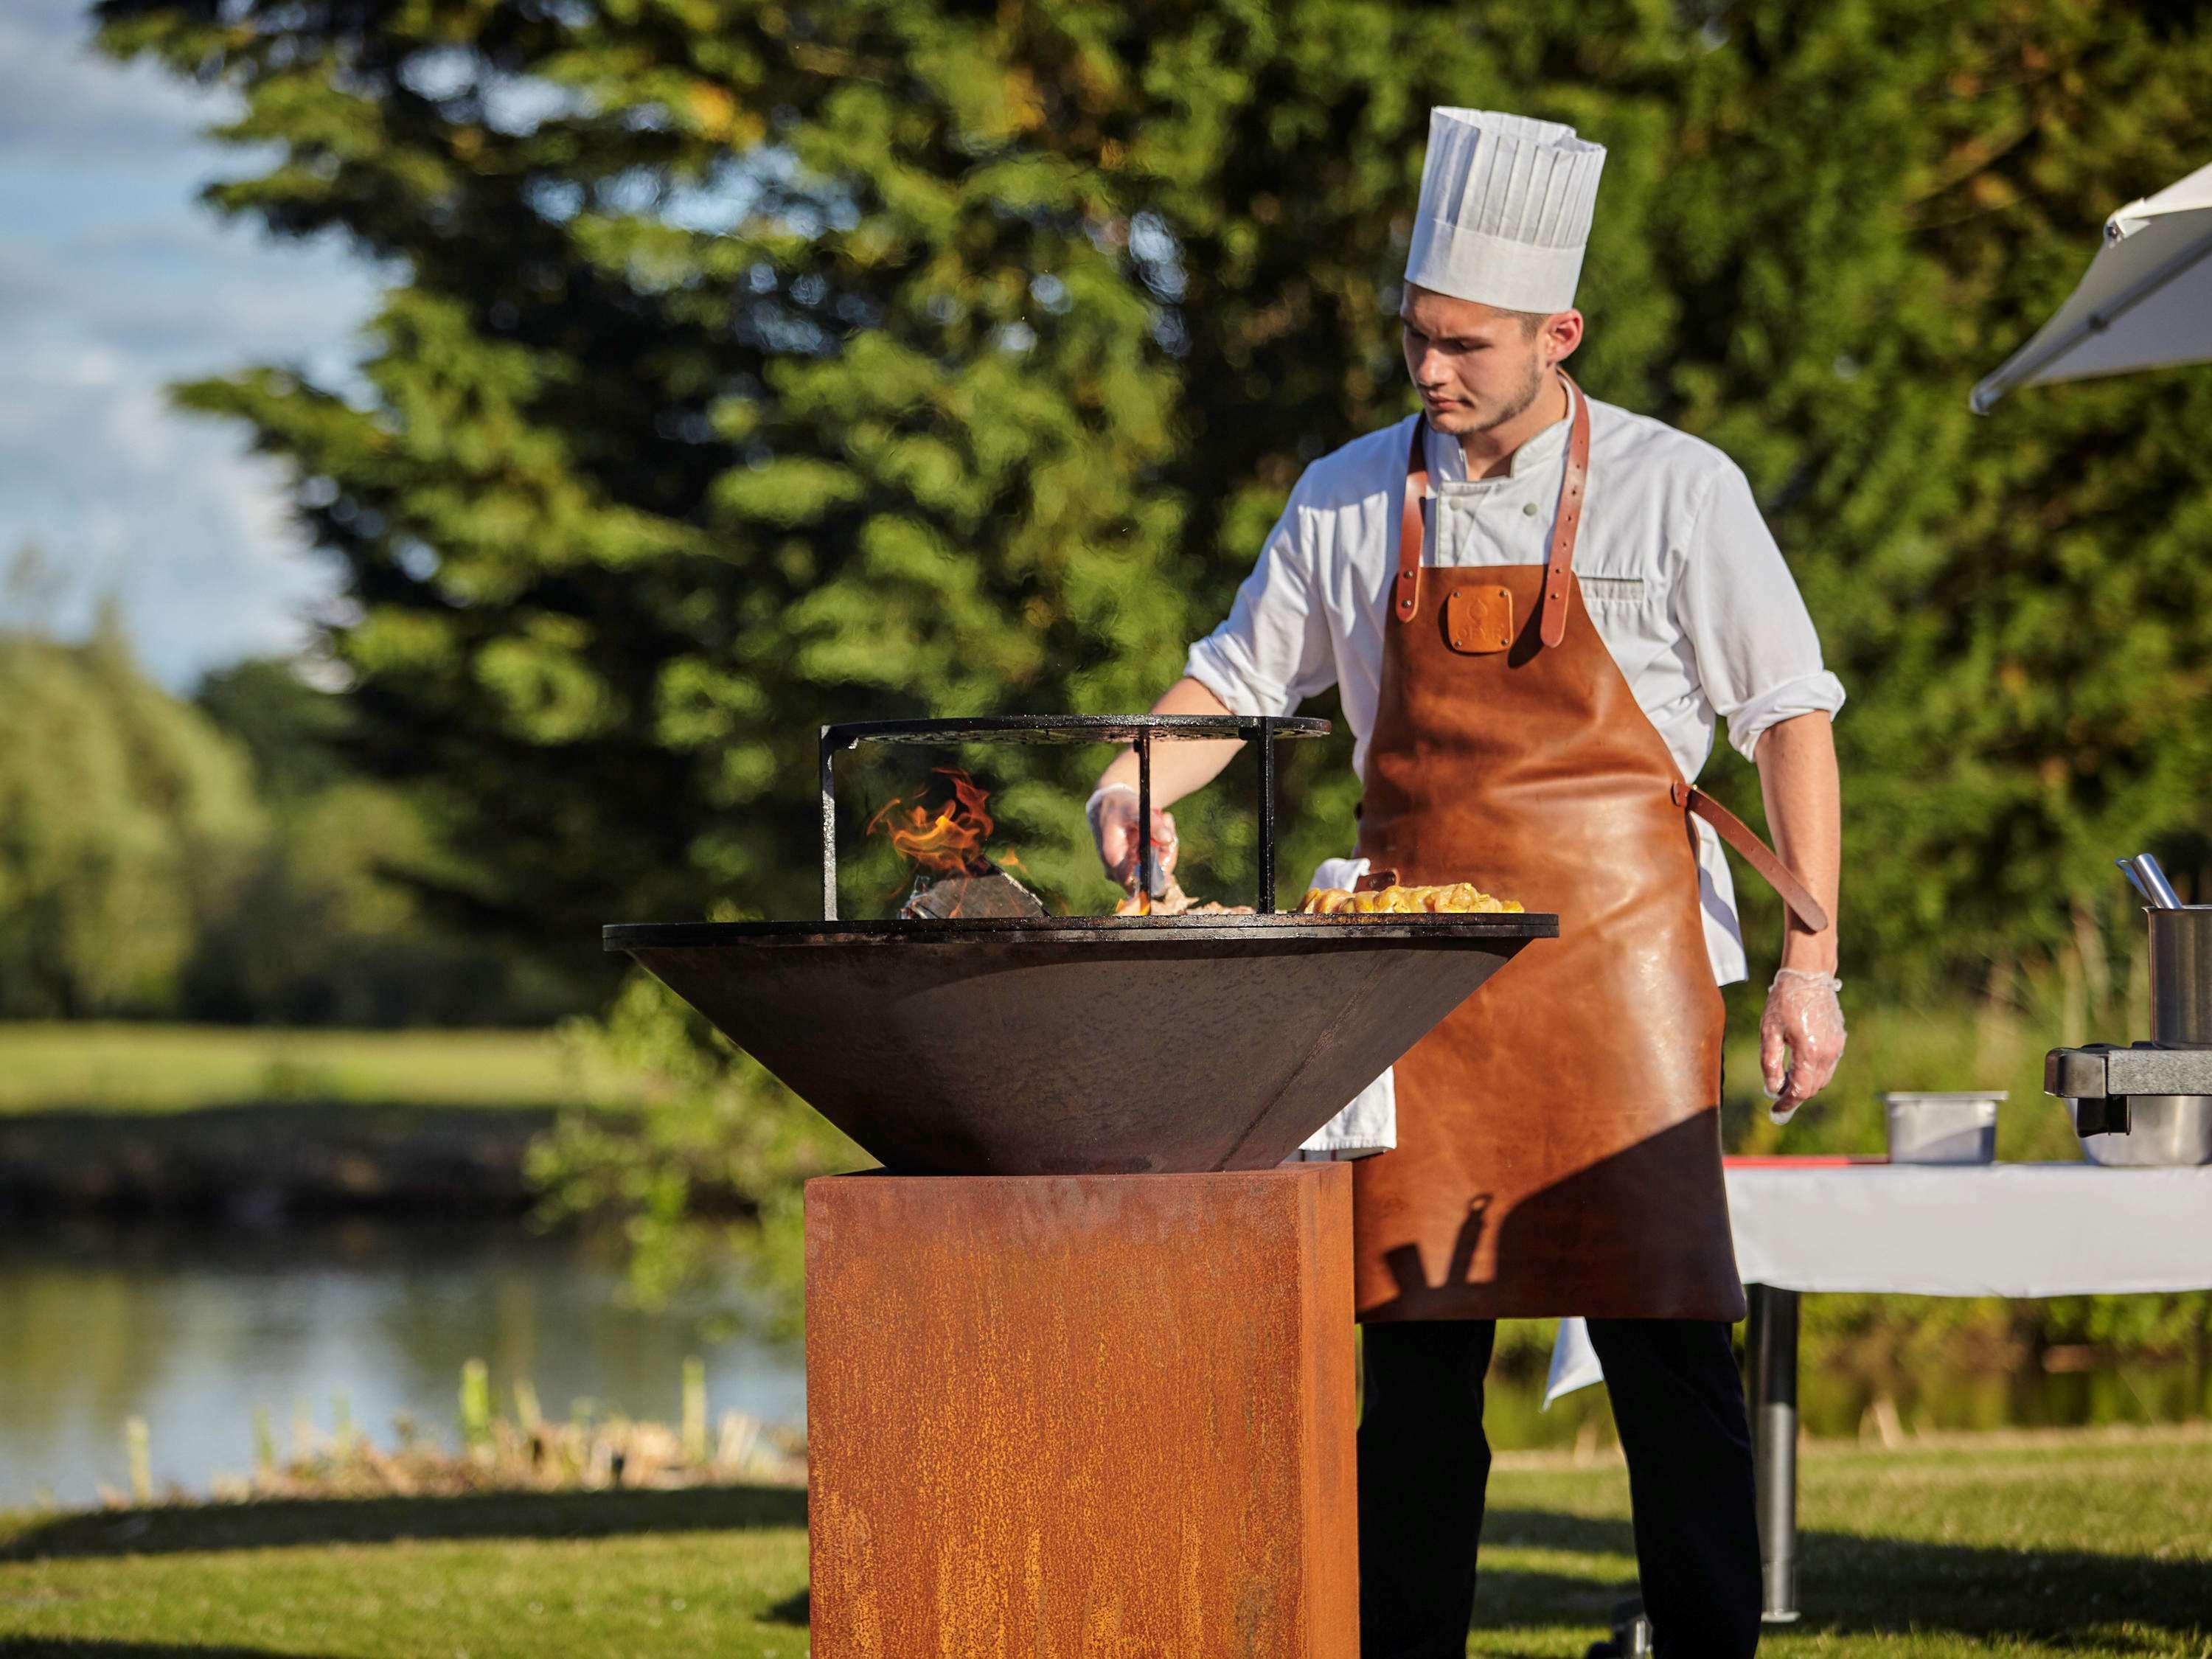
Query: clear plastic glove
[
  {"x": 1113, "y": 815},
  {"x": 1800, "y": 1038}
]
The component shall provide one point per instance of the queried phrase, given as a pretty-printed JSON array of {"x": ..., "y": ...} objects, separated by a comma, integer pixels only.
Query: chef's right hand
[
  {"x": 1113, "y": 813},
  {"x": 1800, "y": 1038}
]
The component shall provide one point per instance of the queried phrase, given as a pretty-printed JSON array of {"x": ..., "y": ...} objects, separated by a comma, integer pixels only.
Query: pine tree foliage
[{"x": 748, "y": 363}]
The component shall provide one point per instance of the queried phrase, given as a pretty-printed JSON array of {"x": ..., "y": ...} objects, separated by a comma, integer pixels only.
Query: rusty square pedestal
[{"x": 1082, "y": 1417}]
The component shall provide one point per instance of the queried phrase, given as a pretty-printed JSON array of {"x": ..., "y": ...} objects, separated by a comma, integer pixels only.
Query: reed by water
[{"x": 517, "y": 1450}]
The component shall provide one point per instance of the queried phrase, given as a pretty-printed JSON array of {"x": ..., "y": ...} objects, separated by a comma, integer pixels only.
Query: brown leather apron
[{"x": 1559, "y": 1134}]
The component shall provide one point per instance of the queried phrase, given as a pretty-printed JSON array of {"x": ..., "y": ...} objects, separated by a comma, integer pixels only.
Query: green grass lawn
[
  {"x": 2082, "y": 1546},
  {"x": 109, "y": 1065}
]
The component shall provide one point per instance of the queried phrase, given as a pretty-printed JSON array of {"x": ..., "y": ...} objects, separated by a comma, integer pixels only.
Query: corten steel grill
[
  {"x": 1088, "y": 1376},
  {"x": 1067, "y": 1045}
]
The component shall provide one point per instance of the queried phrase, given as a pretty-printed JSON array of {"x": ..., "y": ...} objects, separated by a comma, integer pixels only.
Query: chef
[{"x": 1536, "y": 608}]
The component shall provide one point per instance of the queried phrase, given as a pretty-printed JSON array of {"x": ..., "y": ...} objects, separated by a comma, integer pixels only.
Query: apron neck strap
[
  {"x": 1567, "y": 521},
  {"x": 1406, "y": 592}
]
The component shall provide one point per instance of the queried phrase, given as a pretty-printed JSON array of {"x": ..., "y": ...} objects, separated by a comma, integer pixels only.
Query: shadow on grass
[
  {"x": 1851, "y": 1584},
  {"x": 89, "y": 1647},
  {"x": 278, "y": 1523}
]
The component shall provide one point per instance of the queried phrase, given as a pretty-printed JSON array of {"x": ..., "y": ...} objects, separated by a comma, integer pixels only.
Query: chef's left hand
[
  {"x": 1804, "y": 1020},
  {"x": 1112, "y": 814}
]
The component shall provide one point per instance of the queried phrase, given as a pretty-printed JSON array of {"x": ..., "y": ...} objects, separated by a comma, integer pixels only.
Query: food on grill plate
[
  {"x": 1455, "y": 898},
  {"x": 1452, "y": 898},
  {"x": 1176, "y": 902}
]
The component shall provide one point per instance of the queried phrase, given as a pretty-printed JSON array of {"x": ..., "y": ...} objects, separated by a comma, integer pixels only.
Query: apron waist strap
[{"x": 1755, "y": 852}]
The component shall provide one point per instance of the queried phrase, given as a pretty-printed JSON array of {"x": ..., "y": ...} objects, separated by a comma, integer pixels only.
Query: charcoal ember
[{"x": 985, "y": 892}]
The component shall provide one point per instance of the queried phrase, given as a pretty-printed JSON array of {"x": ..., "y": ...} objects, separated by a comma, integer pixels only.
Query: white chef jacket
[
  {"x": 1679, "y": 575},
  {"x": 1678, "y": 572}
]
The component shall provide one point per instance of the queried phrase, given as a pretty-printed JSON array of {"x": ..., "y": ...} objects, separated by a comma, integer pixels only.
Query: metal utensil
[
  {"x": 2150, "y": 881},
  {"x": 2127, "y": 869}
]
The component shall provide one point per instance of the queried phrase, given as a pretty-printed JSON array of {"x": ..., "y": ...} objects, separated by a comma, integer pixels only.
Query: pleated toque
[{"x": 1505, "y": 209}]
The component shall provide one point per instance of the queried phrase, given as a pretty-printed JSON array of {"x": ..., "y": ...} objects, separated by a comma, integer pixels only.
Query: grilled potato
[{"x": 1452, "y": 898}]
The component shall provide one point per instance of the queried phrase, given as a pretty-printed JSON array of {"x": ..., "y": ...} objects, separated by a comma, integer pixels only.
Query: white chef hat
[{"x": 1505, "y": 209}]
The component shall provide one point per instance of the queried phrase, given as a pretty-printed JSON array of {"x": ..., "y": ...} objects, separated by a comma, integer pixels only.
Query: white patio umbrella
[{"x": 2146, "y": 302}]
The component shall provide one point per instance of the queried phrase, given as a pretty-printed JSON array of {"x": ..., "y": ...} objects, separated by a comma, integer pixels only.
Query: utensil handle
[{"x": 2152, "y": 879}]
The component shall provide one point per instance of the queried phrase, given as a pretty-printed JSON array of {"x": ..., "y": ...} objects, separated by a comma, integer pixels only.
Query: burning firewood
[
  {"x": 955, "y": 877},
  {"x": 984, "y": 892}
]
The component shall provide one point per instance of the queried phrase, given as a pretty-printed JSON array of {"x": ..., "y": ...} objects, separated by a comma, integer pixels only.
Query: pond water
[{"x": 192, "y": 1330}]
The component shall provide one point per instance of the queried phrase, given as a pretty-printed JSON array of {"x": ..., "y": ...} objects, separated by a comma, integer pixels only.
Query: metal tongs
[{"x": 2142, "y": 871}]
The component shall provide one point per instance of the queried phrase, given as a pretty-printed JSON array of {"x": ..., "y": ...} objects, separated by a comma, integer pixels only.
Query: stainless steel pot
[
  {"x": 2146, "y": 1104},
  {"x": 2162, "y": 1130},
  {"x": 2181, "y": 975}
]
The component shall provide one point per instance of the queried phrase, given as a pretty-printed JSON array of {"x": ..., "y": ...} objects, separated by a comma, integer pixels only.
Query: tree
[
  {"x": 293, "y": 732},
  {"x": 156, "y": 862},
  {"x": 125, "y": 820},
  {"x": 326, "y": 926}
]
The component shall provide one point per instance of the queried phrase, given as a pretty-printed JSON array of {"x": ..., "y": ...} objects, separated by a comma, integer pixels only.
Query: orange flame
[{"x": 951, "y": 838}]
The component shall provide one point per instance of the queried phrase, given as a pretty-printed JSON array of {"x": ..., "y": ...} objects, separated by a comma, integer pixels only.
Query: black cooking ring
[
  {"x": 1397, "y": 927},
  {"x": 1067, "y": 728}
]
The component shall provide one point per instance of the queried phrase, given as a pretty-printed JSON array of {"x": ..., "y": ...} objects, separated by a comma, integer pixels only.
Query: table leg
[{"x": 1770, "y": 1347}]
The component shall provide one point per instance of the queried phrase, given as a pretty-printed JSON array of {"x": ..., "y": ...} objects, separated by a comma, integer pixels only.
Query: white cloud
[
  {"x": 113, "y": 283},
  {"x": 172, "y": 513},
  {"x": 60, "y": 97},
  {"x": 141, "y": 431}
]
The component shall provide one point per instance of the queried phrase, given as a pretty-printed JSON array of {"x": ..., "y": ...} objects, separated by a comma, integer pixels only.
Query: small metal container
[
  {"x": 2181, "y": 975},
  {"x": 1959, "y": 1127},
  {"x": 2162, "y": 1130}
]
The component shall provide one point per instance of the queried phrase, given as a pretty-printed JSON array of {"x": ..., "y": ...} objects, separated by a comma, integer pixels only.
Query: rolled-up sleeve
[
  {"x": 1758, "y": 656},
  {"x": 1274, "y": 651}
]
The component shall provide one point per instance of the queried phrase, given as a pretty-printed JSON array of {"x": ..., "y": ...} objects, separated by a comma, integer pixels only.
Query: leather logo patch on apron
[{"x": 1479, "y": 619}]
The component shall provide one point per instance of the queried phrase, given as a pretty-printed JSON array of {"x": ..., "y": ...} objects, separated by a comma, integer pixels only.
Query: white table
[{"x": 2013, "y": 1229}]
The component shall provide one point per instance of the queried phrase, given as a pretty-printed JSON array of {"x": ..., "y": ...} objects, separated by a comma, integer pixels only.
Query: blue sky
[{"x": 114, "y": 281}]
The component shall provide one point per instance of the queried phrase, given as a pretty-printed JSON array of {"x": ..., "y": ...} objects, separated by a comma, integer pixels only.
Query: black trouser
[{"x": 1423, "y": 1462}]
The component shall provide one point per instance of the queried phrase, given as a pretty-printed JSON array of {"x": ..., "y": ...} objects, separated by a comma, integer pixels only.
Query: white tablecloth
[{"x": 1965, "y": 1230}]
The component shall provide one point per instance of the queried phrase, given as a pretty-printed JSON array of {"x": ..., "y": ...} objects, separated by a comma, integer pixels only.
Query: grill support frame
[{"x": 1141, "y": 730}]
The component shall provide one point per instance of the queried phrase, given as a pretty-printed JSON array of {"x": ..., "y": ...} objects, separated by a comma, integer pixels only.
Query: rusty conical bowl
[{"x": 1091, "y": 1045}]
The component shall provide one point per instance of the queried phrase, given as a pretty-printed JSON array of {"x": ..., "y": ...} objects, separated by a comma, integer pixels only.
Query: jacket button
[{"x": 1530, "y": 508}]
